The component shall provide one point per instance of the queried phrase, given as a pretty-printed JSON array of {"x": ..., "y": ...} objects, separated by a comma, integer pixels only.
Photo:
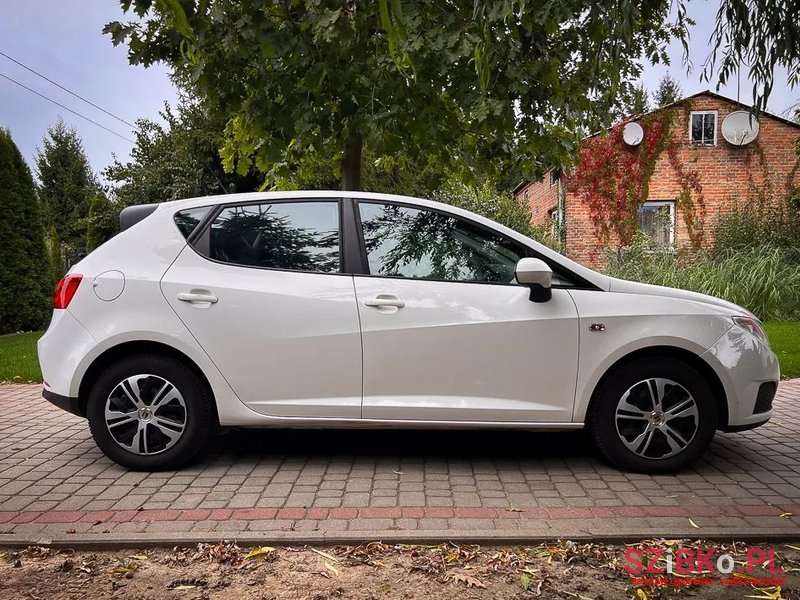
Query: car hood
[{"x": 632, "y": 287}]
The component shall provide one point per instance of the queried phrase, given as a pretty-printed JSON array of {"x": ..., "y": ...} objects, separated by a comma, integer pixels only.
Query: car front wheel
[
  {"x": 653, "y": 415},
  {"x": 150, "y": 412}
]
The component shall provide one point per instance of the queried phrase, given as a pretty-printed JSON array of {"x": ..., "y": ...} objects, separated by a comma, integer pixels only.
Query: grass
[
  {"x": 18, "y": 362},
  {"x": 785, "y": 340}
]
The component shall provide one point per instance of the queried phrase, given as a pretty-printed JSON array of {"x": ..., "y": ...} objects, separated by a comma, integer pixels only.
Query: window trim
[
  {"x": 201, "y": 233},
  {"x": 716, "y": 127},
  {"x": 579, "y": 282},
  {"x": 673, "y": 216}
]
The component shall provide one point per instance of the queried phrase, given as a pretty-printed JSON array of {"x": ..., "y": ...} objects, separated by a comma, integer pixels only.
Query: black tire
[
  {"x": 198, "y": 414},
  {"x": 603, "y": 421}
]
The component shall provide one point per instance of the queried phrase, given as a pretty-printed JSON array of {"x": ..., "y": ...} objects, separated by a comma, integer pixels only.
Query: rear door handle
[
  {"x": 385, "y": 300},
  {"x": 197, "y": 297}
]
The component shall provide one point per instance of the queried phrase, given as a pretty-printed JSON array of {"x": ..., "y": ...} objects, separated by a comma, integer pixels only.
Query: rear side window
[
  {"x": 188, "y": 220},
  {"x": 298, "y": 236}
]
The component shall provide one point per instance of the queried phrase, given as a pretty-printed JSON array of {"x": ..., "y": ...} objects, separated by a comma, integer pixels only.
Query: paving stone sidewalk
[{"x": 394, "y": 485}]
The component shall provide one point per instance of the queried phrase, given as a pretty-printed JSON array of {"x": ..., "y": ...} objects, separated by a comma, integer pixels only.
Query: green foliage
[
  {"x": 103, "y": 221},
  {"x": 471, "y": 87},
  {"x": 639, "y": 101},
  {"x": 66, "y": 185},
  {"x": 55, "y": 253},
  {"x": 765, "y": 280},
  {"x": 486, "y": 201},
  {"x": 749, "y": 226},
  {"x": 667, "y": 92},
  {"x": 179, "y": 159},
  {"x": 19, "y": 362},
  {"x": 25, "y": 284}
]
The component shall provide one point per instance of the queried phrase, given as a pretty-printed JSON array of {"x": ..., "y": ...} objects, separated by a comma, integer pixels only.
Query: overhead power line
[
  {"x": 22, "y": 85},
  {"x": 58, "y": 85}
]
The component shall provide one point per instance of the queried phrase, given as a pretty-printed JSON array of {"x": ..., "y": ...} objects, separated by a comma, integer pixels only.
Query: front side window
[
  {"x": 299, "y": 236},
  {"x": 409, "y": 242},
  {"x": 657, "y": 222},
  {"x": 703, "y": 128}
]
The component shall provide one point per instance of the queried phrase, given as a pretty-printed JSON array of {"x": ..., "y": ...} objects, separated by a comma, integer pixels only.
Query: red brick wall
[
  {"x": 541, "y": 196},
  {"x": 723, "y": 171}
]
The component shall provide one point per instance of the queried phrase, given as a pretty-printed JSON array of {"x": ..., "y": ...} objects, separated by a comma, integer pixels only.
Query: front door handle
[
  {"x": 385, "y": 301},
  {"x": 197, "y": 297}
]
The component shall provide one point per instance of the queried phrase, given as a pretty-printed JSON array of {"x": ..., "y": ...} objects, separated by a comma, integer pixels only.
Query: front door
[
  {"x": 448, "y": 335},
  {"x": 262, "y": 293}
]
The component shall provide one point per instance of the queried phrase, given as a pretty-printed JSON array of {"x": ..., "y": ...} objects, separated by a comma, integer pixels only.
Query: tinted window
[
  {"x": 301, "y": 236},
  {"x": 407, "y": 242},
  {"x": 187, "y": 220}
]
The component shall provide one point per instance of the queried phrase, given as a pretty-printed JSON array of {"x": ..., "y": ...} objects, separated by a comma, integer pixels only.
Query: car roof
[{"x": 597, "y": 279}]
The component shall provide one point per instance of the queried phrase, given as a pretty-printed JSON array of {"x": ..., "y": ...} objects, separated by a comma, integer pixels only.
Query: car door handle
[
  {"x": 385, "y": 300},
  {"x": 197, "y": 297}
]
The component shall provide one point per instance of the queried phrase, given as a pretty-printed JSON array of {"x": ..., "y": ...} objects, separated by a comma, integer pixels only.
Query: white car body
[{"x": 285, "y": 348}]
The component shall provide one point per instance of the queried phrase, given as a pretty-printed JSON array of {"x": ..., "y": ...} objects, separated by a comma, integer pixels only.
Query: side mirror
[{"x": 537, "y": 275}]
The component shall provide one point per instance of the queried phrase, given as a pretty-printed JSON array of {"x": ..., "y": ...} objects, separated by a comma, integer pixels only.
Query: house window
[
  {"x": 554, "y": 176},
  {"x": 657, "y": 222},
  {"x": 703, "y": 128}
]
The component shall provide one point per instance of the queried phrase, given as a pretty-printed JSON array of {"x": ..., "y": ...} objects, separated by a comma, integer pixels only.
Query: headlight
[{"x": 753, "y": 326}]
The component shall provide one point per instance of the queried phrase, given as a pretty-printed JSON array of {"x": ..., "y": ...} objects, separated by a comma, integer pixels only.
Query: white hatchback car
[{"x": 345, "y": 309}]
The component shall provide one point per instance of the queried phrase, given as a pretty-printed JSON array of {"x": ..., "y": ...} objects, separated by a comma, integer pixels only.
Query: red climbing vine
[{"x": 613, "y": 179}]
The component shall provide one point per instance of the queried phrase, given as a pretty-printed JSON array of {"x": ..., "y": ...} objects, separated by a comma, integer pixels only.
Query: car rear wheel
[
  {"x": 150, "y": 412},
  {"x": 653, "y": 415}
]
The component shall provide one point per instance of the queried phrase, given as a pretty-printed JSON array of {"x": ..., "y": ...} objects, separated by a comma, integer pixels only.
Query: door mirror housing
[{"x": 537, "y": 275}]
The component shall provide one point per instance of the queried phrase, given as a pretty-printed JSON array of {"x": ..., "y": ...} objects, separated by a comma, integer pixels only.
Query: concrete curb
[{"x": 332, "y": 538}]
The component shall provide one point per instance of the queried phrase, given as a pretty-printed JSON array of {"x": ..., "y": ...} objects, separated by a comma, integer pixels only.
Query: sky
[{"x": 62, "y": 39}]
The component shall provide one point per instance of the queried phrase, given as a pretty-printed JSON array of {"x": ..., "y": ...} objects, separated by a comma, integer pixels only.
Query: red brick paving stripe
[
  {"x": 432, "y": 512},
  {"x": 61, "y": 516}
]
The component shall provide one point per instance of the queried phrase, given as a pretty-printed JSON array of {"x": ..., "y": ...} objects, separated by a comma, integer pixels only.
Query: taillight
[{"x": 65, "y": 290}]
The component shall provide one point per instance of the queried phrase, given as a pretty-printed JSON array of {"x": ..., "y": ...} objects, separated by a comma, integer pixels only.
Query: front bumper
[{"x": 744, "y": 363}]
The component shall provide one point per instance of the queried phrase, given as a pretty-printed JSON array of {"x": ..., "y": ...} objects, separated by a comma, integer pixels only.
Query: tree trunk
[{"x": 351, "y": 163}]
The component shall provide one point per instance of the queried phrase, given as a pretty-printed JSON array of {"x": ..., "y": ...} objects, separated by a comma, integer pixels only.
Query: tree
[
  {"x": 668, "y": 91},
  {"x": 102, "y": 222},
  {"x": 66, "y": 184},
  {"x": 25, "y": 285},
  {"x": 177, "y": 159},
  {"x": 474, "y": 86},
  {"x": 639, "y": 102},
  {"x": 481, "y": 87}
]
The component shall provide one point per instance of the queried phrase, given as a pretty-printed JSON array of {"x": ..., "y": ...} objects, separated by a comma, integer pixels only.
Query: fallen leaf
[
  {"x": 469, "y": 580},
  {"x": 398, "y": 472},
  {"x": 185, "y": 587},
  {"x": 793, "y": 547},
  {"x": 786, "y": 515},
  {"x": 640, "y": 592},
  {"x": 525, "y": 581},
  {"x": 325, "y": 555},
  {"x": 512, "y": 509},
  {"x": 261, "y": 551},
  {"x": 693, "y": 524},
  {"x": 138, "y": 557},
  {"x": 332, "y": 569}
]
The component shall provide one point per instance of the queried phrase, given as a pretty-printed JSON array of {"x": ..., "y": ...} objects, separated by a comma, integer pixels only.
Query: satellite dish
[
  {"x": 740, "y": 128},
  {"x": 633, "y": 134}
]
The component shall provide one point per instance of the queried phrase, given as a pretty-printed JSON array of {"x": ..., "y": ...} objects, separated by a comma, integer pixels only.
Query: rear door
[{"x": 263, "y": 292}]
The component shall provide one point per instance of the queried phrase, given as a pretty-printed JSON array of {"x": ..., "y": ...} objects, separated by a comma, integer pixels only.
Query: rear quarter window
[{"x": 188, "y": 220}]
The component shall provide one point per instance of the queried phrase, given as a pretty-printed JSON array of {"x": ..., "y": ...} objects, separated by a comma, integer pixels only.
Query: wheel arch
[
  {"x": 131, "y": 348},
  {"x": 690, "y": 358}
]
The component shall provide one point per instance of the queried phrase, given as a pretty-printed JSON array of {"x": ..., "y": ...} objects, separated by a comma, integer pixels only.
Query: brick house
[{"x": 765, "y": 170}]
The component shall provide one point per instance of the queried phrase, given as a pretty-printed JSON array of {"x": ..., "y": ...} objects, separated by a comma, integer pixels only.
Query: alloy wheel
[
  {"x": 656, "y": 418},
  {"x": 145, "y": 414}
]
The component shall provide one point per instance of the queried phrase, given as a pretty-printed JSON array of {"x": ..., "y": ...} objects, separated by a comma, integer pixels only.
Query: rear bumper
[{"x": 71, "y": 405}]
